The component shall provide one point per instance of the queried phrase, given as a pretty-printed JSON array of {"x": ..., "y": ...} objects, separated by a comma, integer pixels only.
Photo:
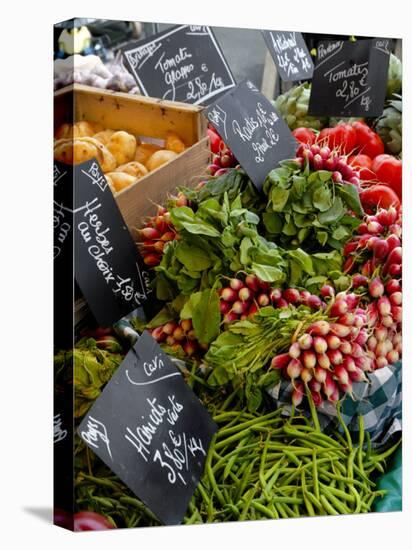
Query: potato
[
  {"x": 106, "y": 160},
  {"x": 133, "y": 168},
  {"x": 64, "y": 131},
  {"x": 122, "y": 146},
  {"x": 144, "y": 151},
  {"x": 83, "y": 129},
  {"x": 63, "y": 151},
  {"x": 104, "y": 136},
  {"x": 174, "y": 143},
  {"x": 120, "y": 180},
  {"x": 159, "y": 158},
  {"x": 83, "y": 150}
]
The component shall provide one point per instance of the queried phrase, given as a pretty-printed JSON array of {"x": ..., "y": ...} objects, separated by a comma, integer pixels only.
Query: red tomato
[
  {"x": 368, "y": 142},
  {"x": 388, "y": 169},
  {"x": 363, "y": 164},
  {"x": 379, "y": 196},
  {"x": 342, "y": 137},
  {"x": 215, "y": 140},
  {"x": 91, "y": 521},
  {"x": 305, "y": 135}
]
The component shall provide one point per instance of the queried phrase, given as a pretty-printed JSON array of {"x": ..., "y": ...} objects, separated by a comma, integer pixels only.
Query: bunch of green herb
[{"x": 309, "y": 210}]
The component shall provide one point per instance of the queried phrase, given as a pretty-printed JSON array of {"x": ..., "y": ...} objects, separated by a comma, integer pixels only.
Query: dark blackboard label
[
  {"x": 151, "y": 430},
  {"x": 290, "y": 54},
  {"x": 350, "y": 78},
  {"x": 108, "y": 268},
  {"x": 249, "y": 124},
  {"x": 184, "y": 63}
]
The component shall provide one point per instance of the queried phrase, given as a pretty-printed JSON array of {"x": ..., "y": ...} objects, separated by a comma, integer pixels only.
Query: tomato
[
  {"x": 342, "y": 137},
  {"x": 215, "y": 140},
  {"x": 379, "y": 196},
  {"x": 91, "y": 521},
  {"x": 388, "y": 169},
  {"x": 305, "y": 135},
  {"x": 363, "y": 164},
  {"x": 368, "y": 142}
]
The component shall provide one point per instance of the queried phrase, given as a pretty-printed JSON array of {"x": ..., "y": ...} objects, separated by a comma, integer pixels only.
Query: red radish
[
  {"x": 319, "y": 328},
  {"x": 335, "y": 357},
  {"x": 263, "y": 300},
  {"x": 323, "y": 361},
  {"x": 329, "y": 386},
  {"x": 340, "y": 330},
  {"x": 384, "y": 305},
  {"x": 337, "y": 177},
  {"x": 392, "y": 357},
  {"x": 294, "y": 368},
  {"x": 381, "y": 249},
  {"x": 357, "y": 350},
  {"x": 150, "y": 233},
  {"x": 317, "y": 398},
  {"x": 362, "y": 337},
  {"x": 315, "y": 149},
  {"x": 263, "y": 285},
  {"x": 240, "y": 307},
  {"x": 372, "y": 314},
  {"x": 191, "y": 335},
  {"x": 357, "y": 375},
  {"x": 229, "y": 317},
  {"x": 348, "y": 264},
  {"x": 304, "y": 296},
  {"x": 394, "y": 258},
  {"x": 397, "y": 339},
  {"x": 158, "y": 334},
  {"x": 186, "y": 324},
  {"x": 341, "y": 374},
  {"x": 381, "y": 333},
  {"x": 236, "y": 284},
  {"x": 280, "y": 361},
  {"x": 282, "y": 303},
  {"x": 393, "y": 241},
  {"x": 169, "y": 327},
  {"x": 168, "y": 236},
  {"x": 333, "y": 341},
  {"x": 339, "y": 307},
  {"x": 387, "y": 217},
  {"x": 397, "y": 313},
  {"x": 309, "y": 359},
  {"x": 245, "y": 294},
  {"x": 375, "y": 228},
  {"x": 325, "y": 152},
  {"x": 314, "y": 385},
  {"x": 363, "y": 228},
  {"x": 297, "y": 394},
  {"x": 228, "y": 294},
  {"x": 381, "y": 362},
  {"x": 178, "y": 334},
  {"x": 314, "y": 302},
  {"x": 305, "y": 341},
  {"x": 320, "y": 374},
  {"x": 152, "y": 260},
  {"x": 319, "y": 344},
  {"x": 359, "y": 280},
  {"x": 327, "y": 291},
  {"x": 349, "y": 364},
  {"x": 348, "y": 319},
  {"x": 252, "y": 310},
  {"x": 294, "y": 350},
  {"x": 372, "y": 343},
  {"x": 334, "y": 397},
  {"x": 252, "y": 282},
  {"x": 387, "y": 320},
  {"x": 158, "y": 246},
  {"x": 396, "y": 298},
  {"x": 345, "y": 347},
  {"x": 376, "y": 288},
  {"x": 170, "y": 340},
  {"x": 306, "y": 375},
  {"x": 364, "y": 363},
  {"x": 224, "y": 306},
  {"x": 275, "y": 294},
  {"x": 348, "y": 249},
  {"x": 395, "y": 270},
  {"x": 190, "y": 348},
  {"x": 359, "y": 321},
  {"x": 347, "y": 388},
  {"x": 291, "y": 295}
]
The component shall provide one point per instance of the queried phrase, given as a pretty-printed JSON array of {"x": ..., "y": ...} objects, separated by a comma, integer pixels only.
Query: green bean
[
  {"x": 307, "y": 502},
  {"x": 274, "y": 472},
  {"x": 315, "y": 476},
  {"x": 256, "y": 420},
  {"x": 339, "y": 493},
  {"x": 315, "y": 501},
  {"x": 338, "y": 505},
  {"x": 292, "y": 456},
  {"x": 245, "y": 479},
  {"x": 328, "y": 507},
  {"x": 281, "y": 510},
  {"x": 248, "y": 501},
  {"x": 263, "y": 509}
]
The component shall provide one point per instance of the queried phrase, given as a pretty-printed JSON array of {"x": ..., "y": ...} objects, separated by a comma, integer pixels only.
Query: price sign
[
  {"x": 249, "y": 124},
  {"x": 151, "y": 430},
  {"x": 350, "y": 78},
  {"x": 184, "y": 63},
  {"x": 290, "y": 54}
]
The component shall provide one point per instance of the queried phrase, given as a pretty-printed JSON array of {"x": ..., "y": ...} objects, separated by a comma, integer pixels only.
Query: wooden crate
[{"x": 143, "y": 116}]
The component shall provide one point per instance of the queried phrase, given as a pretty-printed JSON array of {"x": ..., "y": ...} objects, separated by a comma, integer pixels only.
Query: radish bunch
[
  {"x": 156, "y": 233},
  {"x": 242, "y": 298},
  {"x": 324, "y": 158},
  {"x": 221, "y": 161},
  {"x": 377, "y": 245},
  {"x": 331, "y": 354},
  {"x": 180, "y": 336}
]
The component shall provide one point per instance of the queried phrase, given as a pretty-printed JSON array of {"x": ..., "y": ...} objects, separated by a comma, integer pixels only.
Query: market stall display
[{"x": 280, "y": 304}]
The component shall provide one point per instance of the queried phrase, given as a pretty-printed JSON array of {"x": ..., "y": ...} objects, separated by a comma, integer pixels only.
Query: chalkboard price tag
[
  {"x": 290, "y": 54},
  {"x": 108, "y": 268},
  {"x": 249, "y": 124},
  {"x": 350, "y": 78},
  {"x": 151, "y": 430},
  {"x": 184, "y": 63}
]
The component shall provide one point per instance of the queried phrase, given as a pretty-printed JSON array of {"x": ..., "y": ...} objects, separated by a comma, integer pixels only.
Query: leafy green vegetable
[{"x": 206, "y": 316}]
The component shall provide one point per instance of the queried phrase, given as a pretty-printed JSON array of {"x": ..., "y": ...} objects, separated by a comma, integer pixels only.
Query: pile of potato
[{"x": 123, "y": 158}]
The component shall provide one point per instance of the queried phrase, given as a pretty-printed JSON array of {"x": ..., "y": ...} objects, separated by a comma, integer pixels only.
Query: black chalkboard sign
[
  {"x": 184, "y": 63},
  {"x": 151, "y": 430},
  {"x": 290, "y": 54},
  {"x": 63, "y": 255},
  {"x": 249, "y": 124},
  {"x": 350, "y": 78},
  {"x": 108, "y": 268}
]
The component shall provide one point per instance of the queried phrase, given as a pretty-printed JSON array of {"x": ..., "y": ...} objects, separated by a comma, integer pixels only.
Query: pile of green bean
[{"x": 266, "y": 466}]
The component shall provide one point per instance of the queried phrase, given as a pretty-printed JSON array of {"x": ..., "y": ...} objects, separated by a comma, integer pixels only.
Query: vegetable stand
[{"x": 280, "y": 306}]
